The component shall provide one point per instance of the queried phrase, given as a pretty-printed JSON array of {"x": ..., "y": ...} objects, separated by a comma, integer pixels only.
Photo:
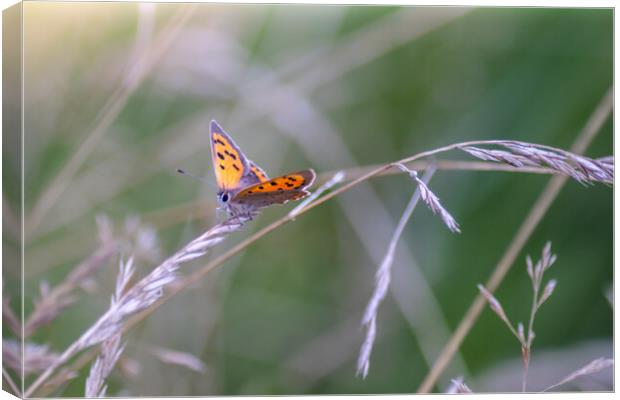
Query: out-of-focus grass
[{"x": 526, "y": 74}]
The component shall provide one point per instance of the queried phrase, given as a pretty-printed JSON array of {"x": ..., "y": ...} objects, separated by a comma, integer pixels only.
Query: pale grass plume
[
  {"x": 218, "y": 233},
  {"x": 134, "y": 237},
  {"x": 37, "y": 357},
  {"x": 103, "y": 365},
  {"x": 521, "y": 154},
  {"x": 549, "y": 288},
  {"x": 183, "y": 359},
  {"x": 607, "y": 161},
  {"x": 53, "y": 301},
  {"x": 458, "y": 386},
  {"x": 591, "y": 368},
  {"x": 111, "y": 348},
  {"x": 150, "y": 288},
  {"x": 382, "y": 282},
  {"x": 496, "y": 307},
  {"x": 143, "y": 294},
  {"x": 535, "y": 272},
  {"x": 363, "y": 360},
  {"x": 380, "y": 35},
  {"x": 521, "y": 332},
  {"x": 129, "y": 367},
  {"x": 10, "y": 318},
  {"x": 431, "y": 200}
]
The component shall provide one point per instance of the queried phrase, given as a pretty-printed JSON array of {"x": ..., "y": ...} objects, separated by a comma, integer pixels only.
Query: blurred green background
[{"x": 123, "y": 93}]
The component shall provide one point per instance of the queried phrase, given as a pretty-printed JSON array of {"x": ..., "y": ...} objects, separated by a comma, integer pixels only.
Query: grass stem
[{"x": 537, "y": 212}]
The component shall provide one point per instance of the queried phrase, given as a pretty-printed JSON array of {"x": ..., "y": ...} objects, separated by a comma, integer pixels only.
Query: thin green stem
[
  {"x": 530, "y": 330},
  {"x": 512, "y": 329},
  {"x": 197, "y": 275},
  {"x": 527, "y": 348},
  {"x": 538, "y": 210},
  {"x": 192, "y": 278}
]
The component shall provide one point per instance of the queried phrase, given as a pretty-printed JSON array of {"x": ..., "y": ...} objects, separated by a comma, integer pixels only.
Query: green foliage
[{"x": 527, "y": 74}]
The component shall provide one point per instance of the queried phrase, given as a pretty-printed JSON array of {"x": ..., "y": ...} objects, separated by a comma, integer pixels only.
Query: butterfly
[{"x": 243, "y": 186}]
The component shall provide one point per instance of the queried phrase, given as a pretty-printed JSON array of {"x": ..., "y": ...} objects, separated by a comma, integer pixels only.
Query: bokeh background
[{"x": 118, "y": 96}]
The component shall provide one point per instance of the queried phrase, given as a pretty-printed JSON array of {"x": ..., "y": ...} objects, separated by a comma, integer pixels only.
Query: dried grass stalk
[
  {"x": 180, "y": 358},
  {"x": 148, "y": 290},
  {"x": 61, "y": 378},
  {"x": 10, "y": 319},
  {"x": 521, "y": 154},
  {"x": 129, "y": 367},
  {"x": 497, "y": 308},
  {"x": 144, "y": 293},
  {"x": 431, "y": 200},
  {"x": 382, "y": 282},
  {"x": 458, "y": 387},
  {"x": 593, "y": 367},
  {"x": 37, "y": 357},
  {"x": 110, "y": 348},
  {"x": 101, "y": 368},
  {"x": 54, "y": 301},
  {"x": 134, "y": 236},
  {"x": 535, "y": 272}
]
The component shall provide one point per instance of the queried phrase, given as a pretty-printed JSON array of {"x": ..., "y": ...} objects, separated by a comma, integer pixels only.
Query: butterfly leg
[
  {"x": 241, "y": 212},
  {"x": 221, "y": 215}
]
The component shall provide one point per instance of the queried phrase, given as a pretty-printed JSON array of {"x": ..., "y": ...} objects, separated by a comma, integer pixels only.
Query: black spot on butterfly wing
[
  {"x": 231, "y": 155},
  {"x": 280, "y": 188},
  {"x": 217, "y": 134}
]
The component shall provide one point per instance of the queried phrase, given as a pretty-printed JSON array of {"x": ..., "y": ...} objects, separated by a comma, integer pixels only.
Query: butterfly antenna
[{"x": 203, "y": 180}]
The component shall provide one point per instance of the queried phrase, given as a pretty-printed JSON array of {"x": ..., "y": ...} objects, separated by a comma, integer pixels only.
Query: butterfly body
[{"x": 244, "y": 187}]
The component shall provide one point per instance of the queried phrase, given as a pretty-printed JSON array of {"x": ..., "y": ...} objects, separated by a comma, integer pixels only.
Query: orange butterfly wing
[
  {"x": 229, "y": 163},
  {"x": 277, "y": 190},
  {"x": 258, "y": 172}
]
